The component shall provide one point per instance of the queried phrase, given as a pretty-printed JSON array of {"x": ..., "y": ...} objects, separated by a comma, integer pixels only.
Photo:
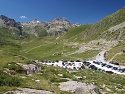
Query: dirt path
[{"x": 34, "y": 48}]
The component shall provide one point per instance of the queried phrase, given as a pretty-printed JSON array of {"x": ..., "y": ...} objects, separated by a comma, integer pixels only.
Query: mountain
[
  {"x": 13, "y": 26},
  {"x": 101, "y": 28},
  {"x": 10, "y": 30},
  {"x": 52, "y": 28},
  {"x": 37, "y": 28}
]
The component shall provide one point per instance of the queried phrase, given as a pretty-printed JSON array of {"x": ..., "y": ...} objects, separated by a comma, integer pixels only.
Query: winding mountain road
[{"x": 101, "y": 56}]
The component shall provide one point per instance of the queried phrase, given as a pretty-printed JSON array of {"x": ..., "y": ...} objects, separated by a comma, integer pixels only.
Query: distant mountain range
[
  {"x": 36, "y": 27},
  {"x": 53, "y": 28},
  {"x": 60, "y": 25}
]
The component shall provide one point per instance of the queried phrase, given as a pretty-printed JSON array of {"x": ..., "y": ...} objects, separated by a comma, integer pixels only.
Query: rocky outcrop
[
  {"x": 11, "y": 24},
  {"x": 28, "y": 91},
  {"x": 58, "y": 25},
  {"x": 31, "y": 68},
  {"x": 78, "y": 87}
]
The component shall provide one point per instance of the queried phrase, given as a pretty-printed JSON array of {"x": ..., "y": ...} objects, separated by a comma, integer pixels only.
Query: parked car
[
  {"x": 93, "y": 67},
  {"x": 86, "y": 63}
]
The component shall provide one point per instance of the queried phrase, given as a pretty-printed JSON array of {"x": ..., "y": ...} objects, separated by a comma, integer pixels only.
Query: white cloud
[{"x": 23, "y": 17}]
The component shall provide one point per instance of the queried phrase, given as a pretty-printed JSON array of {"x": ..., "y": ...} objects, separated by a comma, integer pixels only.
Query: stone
[{"x": 78, "y": 87}]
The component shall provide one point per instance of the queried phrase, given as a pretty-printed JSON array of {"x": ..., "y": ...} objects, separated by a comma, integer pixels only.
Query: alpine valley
[{"x": 23, "y": 43}]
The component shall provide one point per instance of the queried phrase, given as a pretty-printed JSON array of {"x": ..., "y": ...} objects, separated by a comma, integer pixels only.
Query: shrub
[
  {"x": 8, "y": 80},
  {"x": 15, "y": 67},
  {"x": 56, "y": 79}
]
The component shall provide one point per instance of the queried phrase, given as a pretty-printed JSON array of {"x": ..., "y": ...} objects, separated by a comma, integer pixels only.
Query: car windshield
[
  {"x": 109, "y": 66},
  {"x": 115, "y": 68}
]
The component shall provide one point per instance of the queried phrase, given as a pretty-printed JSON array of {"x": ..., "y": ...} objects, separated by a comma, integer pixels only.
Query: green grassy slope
[
  {"x": 116, "y": 54},
  {"x": 9, "y": 48},
  {"x": 96, "y": 30},
  {"x": 54, "y": 48},
  {"x": 74, "y": 35}
]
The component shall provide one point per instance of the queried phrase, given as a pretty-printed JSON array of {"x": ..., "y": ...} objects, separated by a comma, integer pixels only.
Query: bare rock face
[
  {"x": 13, "y": 26},
  {"x": 28, "y": 91},
  {"x": 78, "y": 87}
]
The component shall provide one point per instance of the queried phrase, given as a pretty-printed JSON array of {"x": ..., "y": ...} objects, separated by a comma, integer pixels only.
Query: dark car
[
  {"x": 86, "y": 63},
  {"x": 110, "y": 72},
  {"x": 115, "y": 63},
  {"x": 78, "y": 61},
  {"x": 122, "y": 70},
  {"x": 115, "y": 68},
  {"x": 93, "y": 67},
  {"x": 104, "y": 64}
]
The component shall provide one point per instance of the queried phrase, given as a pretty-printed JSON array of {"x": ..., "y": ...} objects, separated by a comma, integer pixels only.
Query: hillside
[
  {"x": 96, "y": 30},
  {"x": 84, "y": 42},
  {"x": 9, "y": 47}
]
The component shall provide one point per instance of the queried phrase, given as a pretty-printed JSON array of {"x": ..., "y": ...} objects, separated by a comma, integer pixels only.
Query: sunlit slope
[
  {"x": 52, "y": 48},
  {"x": 96, "y": 31},
  {"x": 75, "y": 34},
  {"x": 9, "y": 48}
]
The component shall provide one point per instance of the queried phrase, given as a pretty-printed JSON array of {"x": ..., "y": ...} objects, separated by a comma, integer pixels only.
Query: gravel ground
[{"x": 28, "y": 91}]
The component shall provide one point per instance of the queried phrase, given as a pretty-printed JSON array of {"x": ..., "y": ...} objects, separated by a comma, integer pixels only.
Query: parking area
[
  {"x": 105, "y": 67},
  {"x": 94, "y": 65},
  {"x": 77, "y": 65}
]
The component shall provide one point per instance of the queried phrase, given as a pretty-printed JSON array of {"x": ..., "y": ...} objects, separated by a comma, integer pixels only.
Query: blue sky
[{"x": 81, "y": 11}]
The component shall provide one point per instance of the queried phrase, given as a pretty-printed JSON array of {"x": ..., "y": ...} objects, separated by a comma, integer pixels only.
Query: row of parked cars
[
  {"x": 105, "y": 67},
  {"x": 77, "y": 65},
  {"x": 95, "y": 65}
]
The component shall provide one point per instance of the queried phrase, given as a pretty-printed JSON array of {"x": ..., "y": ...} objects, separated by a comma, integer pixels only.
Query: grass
[
  {"x": 103, "y": 80},
  {"x": 74, "y": 34},
  {"x": 4, "y": 89},
  {"x": 87, "y": 55},
  {"x": 49, "y": 80},
  {"x": 44, "y": 49},
  {"x": 116, "y": 54}
]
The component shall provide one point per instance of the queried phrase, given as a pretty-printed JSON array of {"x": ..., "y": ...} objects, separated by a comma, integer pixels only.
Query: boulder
[
  {"x": 31, "y": 68},
  {"x": 78, "y": 87}
]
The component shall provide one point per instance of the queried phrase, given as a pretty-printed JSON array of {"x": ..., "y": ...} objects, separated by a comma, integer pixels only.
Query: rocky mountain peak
[
  {"x": 11, "y": 24},
  {"x": 8, "y": 21},
  {"x": 60, "y": 21},
  {"x": 35, "y": 21}
]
